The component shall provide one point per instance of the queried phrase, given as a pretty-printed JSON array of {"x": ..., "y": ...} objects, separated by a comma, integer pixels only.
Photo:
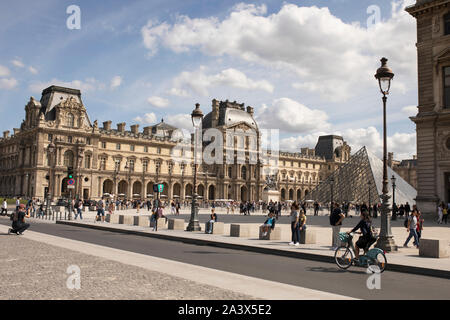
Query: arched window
[
  {"x": 70, "y": 120},
  {"x": 68, "y": 158}
]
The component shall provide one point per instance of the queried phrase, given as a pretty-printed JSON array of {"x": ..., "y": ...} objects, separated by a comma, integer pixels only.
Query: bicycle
[{"x": 344, "y": 255}]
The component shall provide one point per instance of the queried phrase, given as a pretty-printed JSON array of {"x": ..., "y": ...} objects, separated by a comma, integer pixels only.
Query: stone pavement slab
[
  {"x": 405, "y": 260},
  {"x": 108, "y": 273}
]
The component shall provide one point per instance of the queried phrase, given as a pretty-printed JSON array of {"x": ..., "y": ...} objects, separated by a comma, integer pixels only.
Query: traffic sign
[
  {"x": 158, "y": 187},
  {"x": 70, "y": 186},
  {"x": 70, "y": 182}
]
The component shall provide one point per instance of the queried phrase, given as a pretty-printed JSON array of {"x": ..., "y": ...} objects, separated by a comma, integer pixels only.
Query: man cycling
[{"x": 367, "y": 238}]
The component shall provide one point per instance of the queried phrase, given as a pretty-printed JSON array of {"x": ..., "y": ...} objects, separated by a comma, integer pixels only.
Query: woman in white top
[{"x": 440, "y": 213}]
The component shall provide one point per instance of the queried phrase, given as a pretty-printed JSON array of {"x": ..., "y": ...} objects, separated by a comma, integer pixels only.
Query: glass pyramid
[{"x": 361, "y": 180}]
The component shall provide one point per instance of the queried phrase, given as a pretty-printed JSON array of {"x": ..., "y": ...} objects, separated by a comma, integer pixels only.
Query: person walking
[
  {"x": 407, "y": 209},
  {"x": 316, "y": 208},
  {"x": 419, "y": 226},
  {"x": 411, "y": 228},
  {"x": 440, "y": 210},
  {"x": 4, "y": 207},
  {"x": 336, "y": 218},
  {"x": 100, "y": 211},
  {"x": 18, "y": 217},
  {"x": 79, "y": 207},
  {"x": 295, "y": 215},
  {"x": 444, "y": 214}
]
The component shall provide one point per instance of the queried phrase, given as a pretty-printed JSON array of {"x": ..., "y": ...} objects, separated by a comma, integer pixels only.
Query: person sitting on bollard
[
  {"x": 18, "y": 220},
  {"x": 269, "y": 223},
  {"x": 209, "y": 224}
]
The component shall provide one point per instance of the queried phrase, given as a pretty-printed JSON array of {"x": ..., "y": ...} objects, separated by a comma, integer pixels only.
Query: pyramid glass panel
[{"x": 361, "y": 180}]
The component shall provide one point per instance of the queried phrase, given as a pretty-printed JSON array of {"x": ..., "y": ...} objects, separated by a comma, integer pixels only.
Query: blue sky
[{"x": 305, "y": 66}]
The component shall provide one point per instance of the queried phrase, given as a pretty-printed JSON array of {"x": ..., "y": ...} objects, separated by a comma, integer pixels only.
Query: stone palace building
[
  {"x": 57, "y": 133},
  {"x": 433, "y": 117}
]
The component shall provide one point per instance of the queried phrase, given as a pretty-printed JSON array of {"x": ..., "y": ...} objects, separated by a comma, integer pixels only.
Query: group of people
[
  {"x": 443, "y": 211},
  {"x": 413, "y": 224}
]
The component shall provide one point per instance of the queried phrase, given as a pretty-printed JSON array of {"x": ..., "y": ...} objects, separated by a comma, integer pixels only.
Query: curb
[{"x": 299, "y": 255}]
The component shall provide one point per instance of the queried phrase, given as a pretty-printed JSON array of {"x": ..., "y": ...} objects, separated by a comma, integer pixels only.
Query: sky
[{"x": 307, "y": 67}]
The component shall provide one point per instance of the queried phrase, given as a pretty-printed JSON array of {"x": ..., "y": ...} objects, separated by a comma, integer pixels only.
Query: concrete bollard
[
  {"x": 433, "y": 248},
  {"x": 126, "y": 219},
  {"x": 161, "y": 224},
  {"x": 307, "y": 237},
  {"x": 240, "y": 230},
  {"x": 142, "y": 221},
  {"x": 175, "y": 224},
  {"x": 272, "y": 234},
  {"x": 217, "y": 227}
]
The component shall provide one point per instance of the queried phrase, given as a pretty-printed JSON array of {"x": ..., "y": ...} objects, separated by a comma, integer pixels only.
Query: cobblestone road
[{"x": 32, "y": 270}]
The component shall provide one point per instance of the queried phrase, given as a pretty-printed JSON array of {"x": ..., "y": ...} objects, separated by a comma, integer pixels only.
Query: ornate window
[
  {"x": 145, "y": 165},
  {"x": 446, "y": 87},
  {"x": 68, "y": 158},
  {"x": 117, "y": 146},
  {"x": 87, "y": 161},
  {"x": 145, "y": 149},
  {"x": 244, "y": 173},
  {"x": 447, "y": 24},
  {"x": 70, "y": 120},
  {"x": 131, "y": 147},
  {"x": 103, "y": 164},
  {"x": 131, "y": 164},
  {"x": 69, "y": 139},
  {"x": 104, "y": 145}
]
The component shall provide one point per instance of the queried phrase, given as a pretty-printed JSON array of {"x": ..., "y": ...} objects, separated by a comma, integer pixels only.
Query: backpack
[{"x": 14, "y": 216}]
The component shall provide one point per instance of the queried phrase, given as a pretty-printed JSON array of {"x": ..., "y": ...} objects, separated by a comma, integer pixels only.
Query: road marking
[{"x": 255, "y": 287}]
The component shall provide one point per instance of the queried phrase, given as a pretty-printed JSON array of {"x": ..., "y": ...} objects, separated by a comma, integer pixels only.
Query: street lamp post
[
  {"x": 197, "y": 117},
  {"x": 394, "y": 207},
  {"x": 51, "y": 150},
  {"x": 386, "y": 242},
  {"x": 331, "y": 198}
]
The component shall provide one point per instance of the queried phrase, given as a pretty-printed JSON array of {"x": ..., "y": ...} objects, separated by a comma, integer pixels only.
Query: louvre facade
[{"x": 57, "y": 133}]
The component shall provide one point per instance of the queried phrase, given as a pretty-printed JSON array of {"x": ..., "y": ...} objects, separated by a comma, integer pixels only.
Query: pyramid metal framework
[{"x": 361, "y": 180}]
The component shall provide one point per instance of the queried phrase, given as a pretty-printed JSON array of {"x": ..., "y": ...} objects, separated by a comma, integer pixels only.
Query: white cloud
[
  {"x": 158, "y": 102},
  {"x": 181, "y": 121},
  {"x": 178, "y": 92},
  {"x": 402, "y": 144},
  {"x": 410, "y": 110},
  {"x": 148, "y": 118},
  {"x": 90, "y": 84},
  {"x": 116, "y": 82},
  {"x": 33, "y": 70},
  {"x": 8, "y": 84},
  {"x": 330, "y": 57},
  {"x": 4, "y": 71},
  {"x": 200, "y": 82},
  {"x": 18, "y": 63},
  {"x": 291, "y": 116}
]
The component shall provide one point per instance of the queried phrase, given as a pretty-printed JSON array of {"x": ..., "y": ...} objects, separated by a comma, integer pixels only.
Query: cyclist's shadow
[{"x": 335, "y": 270}]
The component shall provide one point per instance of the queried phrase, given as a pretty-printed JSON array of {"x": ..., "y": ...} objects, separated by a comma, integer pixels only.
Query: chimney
[
  {"x": 250, "y": 110},
  {"x": 6, "y": 134},
  {"x": 415, "y": 157},
  {"x": 390, "y": 158},
  {"x": 107, "y": 125},
  {"x": 121, "y": 127},
  {"x": 16, "y": 131},
  {"x": 215, "y": 112},
  {"x": 147, "y": 131},
  {"x": 135, "y": 128}
]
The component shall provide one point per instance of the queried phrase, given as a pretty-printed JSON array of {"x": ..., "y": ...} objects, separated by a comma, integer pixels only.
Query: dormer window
[
  {"x": 70, "y": 120},
  {"x": 447, "y": 24}
]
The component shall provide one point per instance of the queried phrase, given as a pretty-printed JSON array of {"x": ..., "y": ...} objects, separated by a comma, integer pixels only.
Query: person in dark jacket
[
  {"x": 366, "y": 239},
  {"x": 19, "y": 225}
]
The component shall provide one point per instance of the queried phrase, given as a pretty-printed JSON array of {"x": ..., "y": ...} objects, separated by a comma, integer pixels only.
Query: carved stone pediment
[
  {"x": 441, "y": 57},
  {"x": 241, "y": 126}
]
